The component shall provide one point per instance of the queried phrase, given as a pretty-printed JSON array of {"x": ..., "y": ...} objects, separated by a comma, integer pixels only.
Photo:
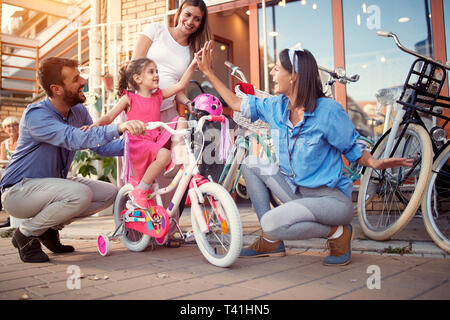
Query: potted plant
[
  {"x": 108, "y": 81},
  {"x": 87, "y": 163}
]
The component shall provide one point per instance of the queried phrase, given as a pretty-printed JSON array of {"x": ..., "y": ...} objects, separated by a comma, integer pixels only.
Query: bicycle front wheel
[
  {"x": 132, "y": 239},
  {"x": 388, "y": 199},
  {"x": 436, "y": 202},
  {"x": 222, "y": 244}
]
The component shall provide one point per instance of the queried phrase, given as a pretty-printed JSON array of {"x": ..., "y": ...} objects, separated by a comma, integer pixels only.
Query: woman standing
[
  {"x": 311, "y": 133},
  {"x": 172, "y": 49}
]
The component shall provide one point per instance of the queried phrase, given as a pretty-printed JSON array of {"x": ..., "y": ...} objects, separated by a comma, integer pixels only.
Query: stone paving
[{"x": 184, "y": 274}]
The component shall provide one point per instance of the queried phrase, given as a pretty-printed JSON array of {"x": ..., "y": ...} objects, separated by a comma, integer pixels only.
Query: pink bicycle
[{"x": 214, "y": 215}]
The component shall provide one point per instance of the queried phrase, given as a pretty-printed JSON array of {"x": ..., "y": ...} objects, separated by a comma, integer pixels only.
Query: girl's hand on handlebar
[{"x": 134, "y": 127}]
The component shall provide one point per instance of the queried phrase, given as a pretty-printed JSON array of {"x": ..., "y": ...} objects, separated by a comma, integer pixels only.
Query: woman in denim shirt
[{"x": 310, "y": 134}]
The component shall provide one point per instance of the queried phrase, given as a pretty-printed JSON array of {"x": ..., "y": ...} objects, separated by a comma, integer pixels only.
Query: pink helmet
[{"x": 208, "y": 103}]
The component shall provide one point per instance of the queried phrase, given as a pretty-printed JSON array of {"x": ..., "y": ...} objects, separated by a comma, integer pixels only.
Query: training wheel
[{"x": 103, "y": 245}]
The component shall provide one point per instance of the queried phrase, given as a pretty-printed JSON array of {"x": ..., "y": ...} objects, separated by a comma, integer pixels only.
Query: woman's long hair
[
  {"x": 203, "y": 34},
  {"x": 307, "y": 88},
  {"x": 126, "y": 73}
]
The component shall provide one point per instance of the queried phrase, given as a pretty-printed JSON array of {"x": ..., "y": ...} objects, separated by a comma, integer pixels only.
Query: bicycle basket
[
  {"x": 258, "y": 125},
  {"x": 424, "y": 84}
]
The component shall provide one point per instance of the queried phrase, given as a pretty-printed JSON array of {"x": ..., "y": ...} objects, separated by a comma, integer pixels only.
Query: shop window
[
  {"x": 376, "y": 59},
  {"x": 308, "y": 22},
  {"x": 447, "y": 26}
]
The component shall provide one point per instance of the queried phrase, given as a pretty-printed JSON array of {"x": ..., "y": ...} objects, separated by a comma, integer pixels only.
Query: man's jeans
[{"x": 55, "y": 202}]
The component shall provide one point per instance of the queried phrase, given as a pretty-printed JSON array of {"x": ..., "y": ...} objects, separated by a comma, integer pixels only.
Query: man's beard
[{"x": 72, "y": 98}]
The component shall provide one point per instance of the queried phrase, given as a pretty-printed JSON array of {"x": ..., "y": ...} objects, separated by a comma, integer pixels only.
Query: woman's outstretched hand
[
  {"x": 392, "y": 163},
  {"x": 367, "y": 160},
  {"x": 203, "y": 57}
]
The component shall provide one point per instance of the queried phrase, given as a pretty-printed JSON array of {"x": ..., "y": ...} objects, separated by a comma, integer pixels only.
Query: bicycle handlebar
[
  {"x": 404, "y": 49},
  {"x": 236, "y": 71},
  {"x": 194, "y": 123},
  {"x": 339, "y": 74}
]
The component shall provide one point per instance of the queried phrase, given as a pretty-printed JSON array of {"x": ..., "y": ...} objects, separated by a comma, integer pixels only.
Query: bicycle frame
[{"x": 189, "y": 176}]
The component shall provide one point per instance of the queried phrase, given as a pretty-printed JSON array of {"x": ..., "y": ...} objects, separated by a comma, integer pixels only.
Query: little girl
[{"x": 146, "y": 155}]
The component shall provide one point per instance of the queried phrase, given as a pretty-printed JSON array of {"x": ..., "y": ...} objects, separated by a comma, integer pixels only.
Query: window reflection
[
  {"x": 377, "y": 59},
  {"x": 447, "y": 26},
  {"x": 289, "y": 22}
]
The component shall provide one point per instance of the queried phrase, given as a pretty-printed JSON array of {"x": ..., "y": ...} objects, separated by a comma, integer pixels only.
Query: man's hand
[{"x": 134, "y": 127}]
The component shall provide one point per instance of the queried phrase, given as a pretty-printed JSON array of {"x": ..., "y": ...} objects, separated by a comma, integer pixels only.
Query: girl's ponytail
[
  {"x": 123, "y": 81},
  {"x": 126, "y": 73}
]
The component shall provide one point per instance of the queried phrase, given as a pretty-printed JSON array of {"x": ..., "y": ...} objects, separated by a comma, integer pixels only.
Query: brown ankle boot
[
  {"x": 29, "y": 248},
  {"x": 263, "y": 248},
  {"x": 340, "y": 248},
  {"x": 50, "y": 239}
]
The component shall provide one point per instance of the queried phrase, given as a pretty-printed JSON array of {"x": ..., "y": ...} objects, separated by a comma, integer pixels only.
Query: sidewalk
[{"x": 183, "y": 273}]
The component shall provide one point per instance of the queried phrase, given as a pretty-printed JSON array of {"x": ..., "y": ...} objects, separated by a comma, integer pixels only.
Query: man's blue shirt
[
  {"x": 325, "y": 135},
  {"x": 48, "y": 141}
]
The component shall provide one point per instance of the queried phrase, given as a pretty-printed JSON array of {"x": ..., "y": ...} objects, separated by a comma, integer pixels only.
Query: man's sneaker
[
  {"x": 263, "y": 248},
  {"x": 30, "y": 249},
  {"x": 340, "y": 248},
  {"x": 141, "y": 197}
]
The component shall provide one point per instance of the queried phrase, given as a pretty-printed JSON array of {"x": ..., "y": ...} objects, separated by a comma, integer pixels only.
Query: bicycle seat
[{"x": 387, "y": 96}]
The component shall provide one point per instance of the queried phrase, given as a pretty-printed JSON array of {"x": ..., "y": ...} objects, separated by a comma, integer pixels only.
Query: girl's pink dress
[{"x": 141, "y": 150}]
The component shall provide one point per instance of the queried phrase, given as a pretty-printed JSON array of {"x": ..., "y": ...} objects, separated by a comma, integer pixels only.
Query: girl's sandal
[{"x": 173, "y": 243}]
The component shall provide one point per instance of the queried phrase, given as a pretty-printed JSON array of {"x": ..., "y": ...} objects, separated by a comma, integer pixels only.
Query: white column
[{"x": 94, "y": 56}]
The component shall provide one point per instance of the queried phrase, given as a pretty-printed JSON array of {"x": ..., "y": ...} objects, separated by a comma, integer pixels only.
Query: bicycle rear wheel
[
  {"x": 230, "y": 177},
  {"x": 436, "y": 202},
  {"x": 388, "y": 199},
  {"x": 222, "y": 244},
  {"x": 132, "y": 239}
]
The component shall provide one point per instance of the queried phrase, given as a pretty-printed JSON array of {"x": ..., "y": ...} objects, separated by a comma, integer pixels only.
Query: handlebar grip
[
  {"x": 217, "y": 118},
  {"x": 384, "y": 33},
  {"x": 229, "y": 64},
  {"x": 152, "y": 125}
]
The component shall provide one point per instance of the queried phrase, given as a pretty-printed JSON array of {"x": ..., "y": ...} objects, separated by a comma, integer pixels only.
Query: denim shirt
[
  {"x": 48, "y": 141},
  {"x": 316, "y": 143}
]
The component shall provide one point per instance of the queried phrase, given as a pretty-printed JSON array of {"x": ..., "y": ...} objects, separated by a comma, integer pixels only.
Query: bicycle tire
[
  {"x": 228, "y": 182},
  {"x": 386, "y": 194},
  {"x": 132, "y": 239},
  {"x": 437, "y": 197},
  {"x": 222, "y": 244}
]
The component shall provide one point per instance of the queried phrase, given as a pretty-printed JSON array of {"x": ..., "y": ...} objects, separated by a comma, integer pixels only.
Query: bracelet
[{"x": 187, "y": 103}]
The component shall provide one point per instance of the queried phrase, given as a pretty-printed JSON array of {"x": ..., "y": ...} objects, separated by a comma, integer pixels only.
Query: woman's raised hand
[{"x": 203, "y": 57}]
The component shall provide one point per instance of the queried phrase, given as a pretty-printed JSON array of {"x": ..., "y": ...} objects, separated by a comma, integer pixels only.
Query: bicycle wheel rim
[
  {"x": 222, "y": 243},
  {"x": 388, "y": 199},
  {"x": 436, "y": 203},
  {"x": 132, "y": 239}
]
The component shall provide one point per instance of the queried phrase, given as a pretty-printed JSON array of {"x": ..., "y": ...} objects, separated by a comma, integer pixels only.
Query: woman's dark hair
[
  {"x": 50, "y": 72},
  {"x": 203, "y": 34},
  {"x": 126, "y": 73},
  {"x": 308, "y": 87}
]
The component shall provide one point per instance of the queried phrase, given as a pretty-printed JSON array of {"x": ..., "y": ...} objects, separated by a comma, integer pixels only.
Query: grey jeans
[
  {"x": 304, "y": 214},
  {"x": 55, "y": 202}
]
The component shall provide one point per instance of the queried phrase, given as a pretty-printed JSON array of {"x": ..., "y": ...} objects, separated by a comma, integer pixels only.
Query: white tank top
[{"x": 171, "y": 58}]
